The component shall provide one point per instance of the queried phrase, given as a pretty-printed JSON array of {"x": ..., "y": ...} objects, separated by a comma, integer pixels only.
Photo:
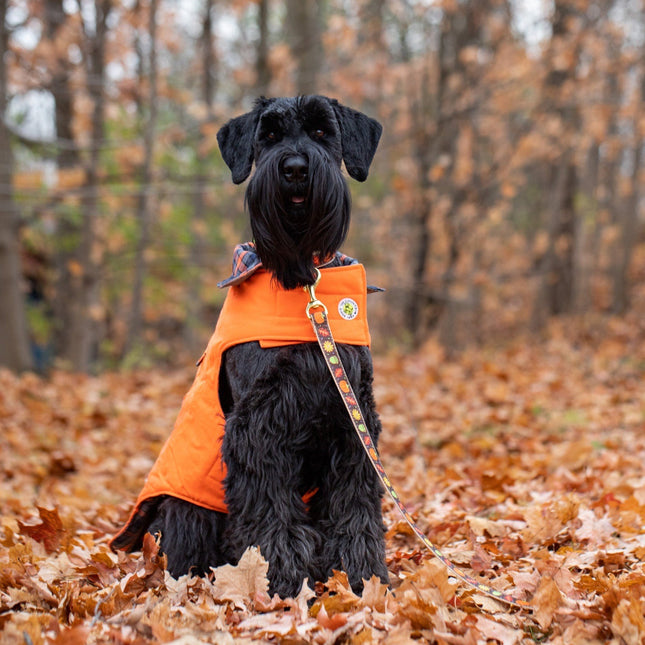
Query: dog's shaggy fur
[{"x": 284, "y": 416}]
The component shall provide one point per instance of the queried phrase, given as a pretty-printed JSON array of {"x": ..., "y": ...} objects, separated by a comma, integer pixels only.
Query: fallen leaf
[
  {"x": 375, "y": 594},
  {"x": 492, "y": 630},
  {"x": 546, "y": 601},
  {"x": 73, "y": 636},
  {"x": 337, "y": 620},
  {"x": 240, "y": 583},
  {"x": 48, "y": 532},
  {"x": 627, "y": 622}
]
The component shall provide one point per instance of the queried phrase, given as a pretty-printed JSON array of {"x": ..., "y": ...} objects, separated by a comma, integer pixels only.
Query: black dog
[{"x": 287, "y": 430}]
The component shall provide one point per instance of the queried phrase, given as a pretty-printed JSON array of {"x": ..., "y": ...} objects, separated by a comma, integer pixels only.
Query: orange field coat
[{"x": 190, "y": 465}]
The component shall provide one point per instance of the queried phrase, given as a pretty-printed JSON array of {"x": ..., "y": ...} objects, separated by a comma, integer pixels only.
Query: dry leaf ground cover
[{"x": 524, "y": 463}]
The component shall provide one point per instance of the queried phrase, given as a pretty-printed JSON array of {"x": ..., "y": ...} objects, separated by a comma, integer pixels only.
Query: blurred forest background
[{"x": 506, "y": 190}]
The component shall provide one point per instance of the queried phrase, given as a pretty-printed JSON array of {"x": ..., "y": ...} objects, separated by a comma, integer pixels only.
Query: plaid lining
[{"x": 246, "y": 262}]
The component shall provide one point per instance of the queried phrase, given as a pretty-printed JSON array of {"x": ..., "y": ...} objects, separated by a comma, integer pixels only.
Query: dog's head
[{"x": 298, "y": 200}]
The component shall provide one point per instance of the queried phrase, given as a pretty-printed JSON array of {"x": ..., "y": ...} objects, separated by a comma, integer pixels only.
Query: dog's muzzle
[{"x": 295, "y": 174}]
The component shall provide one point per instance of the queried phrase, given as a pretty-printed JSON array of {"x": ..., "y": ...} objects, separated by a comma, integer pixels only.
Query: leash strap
[{"x": 317, "y": 314}]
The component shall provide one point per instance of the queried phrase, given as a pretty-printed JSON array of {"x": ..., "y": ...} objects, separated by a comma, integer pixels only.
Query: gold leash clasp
[{"x": 313, "y": 303}]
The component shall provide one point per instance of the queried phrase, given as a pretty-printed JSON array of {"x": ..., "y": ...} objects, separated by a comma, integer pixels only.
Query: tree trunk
[
  {"x": 585, "y": 250},
  {"x": 67, "y": 227},
  {"x": 458, "y": 31},
  {"x": 82, "y": 337},
  {"x": 60, "y": 88},
  {"x": 209, "y": 73},
  {"x": 422, "y": 244},
  {"x": 555, "y": 290},
  {"x": 194, "y": 309},
  {"x": 14, "y": 340},
  {"x": 144, "y": 212},
  {"x": 628, "y": 218},
  {"x": 304, "y": 38},
  {"x": 557, "y": 266},
  {"x": 629, "y": 221},
  {"x": 426, "y": 110},
  {"x": 563, "y": 233},
  {"x": 262, "y": 53},
  {"x": 373, "y": 48}
]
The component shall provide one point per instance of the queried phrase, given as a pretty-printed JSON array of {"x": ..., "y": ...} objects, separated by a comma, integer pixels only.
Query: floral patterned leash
[{"x": 327, "y": 344}]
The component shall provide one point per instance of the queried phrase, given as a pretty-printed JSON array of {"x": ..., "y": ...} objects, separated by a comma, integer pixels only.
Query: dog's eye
[
  {"x": 318, "y": 134},
  {"x": 272, "y": 136}
]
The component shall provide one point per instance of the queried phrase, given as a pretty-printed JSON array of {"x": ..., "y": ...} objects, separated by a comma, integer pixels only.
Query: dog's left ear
[
  {"x": 359, "y": 136},
  {"x": 235, "y": 140}
]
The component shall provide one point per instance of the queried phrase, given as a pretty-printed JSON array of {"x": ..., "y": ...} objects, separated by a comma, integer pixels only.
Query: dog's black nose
[{"x": 295, "y": 168}]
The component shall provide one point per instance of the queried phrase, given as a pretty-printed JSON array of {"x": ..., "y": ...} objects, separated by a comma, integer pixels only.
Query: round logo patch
[{"x": 348, "y": 309}]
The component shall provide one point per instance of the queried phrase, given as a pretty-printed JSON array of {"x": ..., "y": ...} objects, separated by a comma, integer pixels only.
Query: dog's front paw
[
  {"x": 357, "y": 578},
  {"x": 287, "y": 586},
  {"x": 290, "y": 553}
]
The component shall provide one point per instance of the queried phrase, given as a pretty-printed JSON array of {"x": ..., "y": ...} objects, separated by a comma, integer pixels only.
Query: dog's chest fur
[{"x": 319, "y": 422}]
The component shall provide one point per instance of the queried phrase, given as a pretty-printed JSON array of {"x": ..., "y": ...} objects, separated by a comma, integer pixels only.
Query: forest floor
[{"x": 524, "y": 463}]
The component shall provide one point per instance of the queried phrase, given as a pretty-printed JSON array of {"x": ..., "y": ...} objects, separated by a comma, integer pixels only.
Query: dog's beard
[{"x": 290, "y": 234}]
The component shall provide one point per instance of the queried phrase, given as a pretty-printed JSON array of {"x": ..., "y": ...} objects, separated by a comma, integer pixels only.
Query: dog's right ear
[{"x": 235, "y": 140}]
